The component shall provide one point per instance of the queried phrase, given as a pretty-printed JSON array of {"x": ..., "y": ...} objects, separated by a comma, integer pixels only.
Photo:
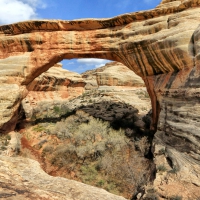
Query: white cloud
[
  {"x": 19, "y": 10},
  {"x": 35, "y": 3},
  {"x": 93, "y": 62}
]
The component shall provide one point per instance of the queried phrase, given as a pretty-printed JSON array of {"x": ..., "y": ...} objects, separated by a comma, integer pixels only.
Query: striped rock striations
[
  {"x": 112, "y": 74},
  {"x": 161, "y": 45},
  {"x": 116, "y": 74}
]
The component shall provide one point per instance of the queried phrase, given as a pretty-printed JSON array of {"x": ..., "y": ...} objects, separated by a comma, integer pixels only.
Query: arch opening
[
  {"x": 94, "y": 111},
  {"x": 84, "y": 64}
]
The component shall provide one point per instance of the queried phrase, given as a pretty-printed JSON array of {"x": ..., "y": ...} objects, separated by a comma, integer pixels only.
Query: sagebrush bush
[
  {"x": 89, "y": 139},
  {"x": 143, "y": 145},
  {"x": 161, "y": 168},
  {"x": 151, "y": 196},
  {"x": 176, "y": 197},
  {"x": 98, "y": 154}
]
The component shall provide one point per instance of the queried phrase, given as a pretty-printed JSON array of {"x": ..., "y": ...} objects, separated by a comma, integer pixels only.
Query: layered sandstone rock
[
  {"x": 160, "y": 45},
  {"x": 116, "y": 74},
  {"x": 51, "y": 89},
  {"x": 112, "y": 74}
]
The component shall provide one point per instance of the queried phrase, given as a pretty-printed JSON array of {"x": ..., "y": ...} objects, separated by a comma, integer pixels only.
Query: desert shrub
[
  {"x": 161, "y": 151},
  {"x": 7, "y": 137},
  {"x": 63, "y": 155},
  {"x": 143, "y": 145},
  {"x": 47, "y": 149},
  {"x": 151, "y": 196},
  {"x": 89, "y": 173},
  {"x": 176, "y": 197},
  {"x": 39, "y": 128},
  {"x": 46, "y": 110},
  {"x": 4, "y": 141},
  {"x": 98, "y": 154},
  {"x": 91, "y": 139},
  {"x": 151, "y": 190},
  {"x": 100, "y": 183},
  {"x": 161, "y": 168},
  {"x": 143, "y": 94},
  {"x": 82, "y": 116},
  {"x": 40, "y": 144},
  {"x": 56, "y": 109},
  {"x": 124, "y": 164},
  {"x": 174, "y": 170},
  {"x": 3, "y": 147}
]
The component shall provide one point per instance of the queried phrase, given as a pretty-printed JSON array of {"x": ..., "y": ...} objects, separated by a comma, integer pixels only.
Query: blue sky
[{"x": 19, "y": 10}]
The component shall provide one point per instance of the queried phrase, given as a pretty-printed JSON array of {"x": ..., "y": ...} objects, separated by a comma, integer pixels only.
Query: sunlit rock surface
[
  {"x": 160, "y": 45},
  {"x": 112, "y": 74}
]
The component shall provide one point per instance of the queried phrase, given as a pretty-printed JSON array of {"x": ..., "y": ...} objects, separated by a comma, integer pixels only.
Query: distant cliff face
[
  {"x": 116, "y": 74},
  {"x": 160, "y": 45},
  {"x": 112, "y": 74},
  {"x": 52, "y": 88}
]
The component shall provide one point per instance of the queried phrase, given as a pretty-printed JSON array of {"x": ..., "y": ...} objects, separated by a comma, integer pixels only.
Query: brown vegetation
[{"x": 89, "y": 150}]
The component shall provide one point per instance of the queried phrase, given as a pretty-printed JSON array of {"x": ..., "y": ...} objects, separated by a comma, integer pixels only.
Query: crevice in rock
[{"x": 192, "y": 49}]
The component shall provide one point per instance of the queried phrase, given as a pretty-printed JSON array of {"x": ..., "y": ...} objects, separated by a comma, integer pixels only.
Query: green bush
[
  {"x": 47, "y": 149},
  {"x": 161, "y": 151},
  {"x": 89, "y": 173},
  {"x": 39, "y": 128},
  {"x": 151, "y": 196},
  {"x": 151, "y": 190},
  {"x": 100, "y": 183},
  {"x": 174, "y": 170},
  {"x": 161, "y": 168},
  {"x": 176, "y": 197},
  {"x": 56, "y": 109},
  {"x": 91, "y": 137}
]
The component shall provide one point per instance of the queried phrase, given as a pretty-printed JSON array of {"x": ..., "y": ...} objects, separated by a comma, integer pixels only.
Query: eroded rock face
[
  {"x": 57, "y": 79},
  {"x": 116, "y": 74},
  {"x": 52, "y": 88},
  {"x": 112, "y": 74},
  {"x": 160, "y": 45}
]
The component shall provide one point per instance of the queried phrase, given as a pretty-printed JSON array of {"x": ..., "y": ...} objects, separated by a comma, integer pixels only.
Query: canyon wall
[
  {"x": 159, "y": 45},
  {"x": 112, "y": 74},
  {"x": 51, "y": 89}
]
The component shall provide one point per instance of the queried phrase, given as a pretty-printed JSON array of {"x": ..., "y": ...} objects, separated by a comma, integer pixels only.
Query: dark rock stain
[{"x": 29, "y": 46}]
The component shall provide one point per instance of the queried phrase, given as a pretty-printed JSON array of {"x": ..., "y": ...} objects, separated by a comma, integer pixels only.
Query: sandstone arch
[
  {"x": 160, "y": 45},
  {"x": 149, "y": 43}
]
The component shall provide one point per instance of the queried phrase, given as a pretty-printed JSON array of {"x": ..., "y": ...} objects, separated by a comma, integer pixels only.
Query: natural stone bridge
[{"x": 160, "y": 45}]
